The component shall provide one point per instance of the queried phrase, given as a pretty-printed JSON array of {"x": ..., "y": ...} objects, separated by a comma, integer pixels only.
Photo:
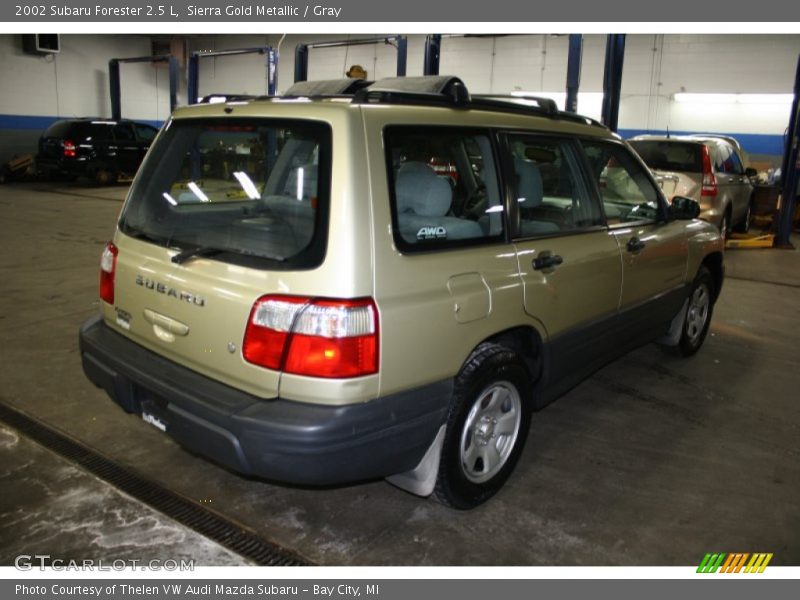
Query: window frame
[{"x": 434, "y": 246}]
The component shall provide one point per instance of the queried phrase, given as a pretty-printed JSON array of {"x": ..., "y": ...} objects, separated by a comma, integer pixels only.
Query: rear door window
[
  {"x": 123, "y": 132},
  {"x": 253, "y": 191},
  {"x": 722, "y": 159},
  {"x": 145, "y": 133},
  {"x": 444, "y": 187}
]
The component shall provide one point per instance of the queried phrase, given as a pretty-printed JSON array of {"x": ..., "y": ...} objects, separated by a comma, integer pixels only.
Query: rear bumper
[{"x": 282, "y": 440}]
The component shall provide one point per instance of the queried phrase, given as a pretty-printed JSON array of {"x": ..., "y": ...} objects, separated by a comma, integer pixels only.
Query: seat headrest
[{"x": 421, "y": 191}]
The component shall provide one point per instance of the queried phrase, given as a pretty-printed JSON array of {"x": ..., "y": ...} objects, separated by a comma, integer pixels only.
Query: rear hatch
[
  {"x": 677, "y": 165},
  {"x": 51, "y": 143},
  {"x": 222, "y": 212}
]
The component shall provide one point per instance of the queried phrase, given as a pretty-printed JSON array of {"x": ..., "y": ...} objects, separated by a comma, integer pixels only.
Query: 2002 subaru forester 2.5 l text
[{"x": 333, "y": 286}]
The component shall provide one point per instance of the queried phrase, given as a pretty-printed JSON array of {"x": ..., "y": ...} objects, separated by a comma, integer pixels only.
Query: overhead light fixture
[{"x": 700, "y": 98}]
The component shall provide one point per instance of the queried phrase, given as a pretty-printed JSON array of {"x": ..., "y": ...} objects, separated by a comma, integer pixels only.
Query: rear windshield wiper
[{"x": 200, "y": 251}]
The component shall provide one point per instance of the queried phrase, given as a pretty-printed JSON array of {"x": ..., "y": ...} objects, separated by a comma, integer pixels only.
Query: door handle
[
  {"x": 546, "y": 261},
  {"x": 635, "y": 244}
]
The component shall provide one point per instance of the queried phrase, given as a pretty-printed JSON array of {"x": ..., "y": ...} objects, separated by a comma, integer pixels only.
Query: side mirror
[
  {"x": 751, "y": 172},
  {"x": 684, "y": 209}
]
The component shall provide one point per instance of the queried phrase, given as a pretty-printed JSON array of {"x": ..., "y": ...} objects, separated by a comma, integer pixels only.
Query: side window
[
  {"x": 722, "y": 158},
  {"x": 145, "y": 133},
  {"x": 551, "y": 195},
  {"x": 123, "y": 132},
  {"x": 736, "y": 163},
  {"x": 628, "y": 194},
  {"x": 444, "y": 187}
]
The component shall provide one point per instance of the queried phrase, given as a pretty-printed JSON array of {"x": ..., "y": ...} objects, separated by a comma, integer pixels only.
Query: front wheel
[
  {"x": 698, "y": 313},
  {"x": 486, "y": 428}
]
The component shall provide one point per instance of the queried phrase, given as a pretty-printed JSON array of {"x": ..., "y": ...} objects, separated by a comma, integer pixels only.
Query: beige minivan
[{"x": 334, "y": 286}]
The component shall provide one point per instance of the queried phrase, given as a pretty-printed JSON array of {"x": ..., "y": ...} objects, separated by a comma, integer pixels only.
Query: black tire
[
  {"x": 697, "y": 320},
  {"x": 725, "y": 225},
  {"x": 744, "y": 225},
  {"x": 105, "y": 177},
  {"x": 494, "y": 380}
]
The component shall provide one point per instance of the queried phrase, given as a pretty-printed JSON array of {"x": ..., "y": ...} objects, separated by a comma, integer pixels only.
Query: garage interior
[{"x": 654, "y": 460}]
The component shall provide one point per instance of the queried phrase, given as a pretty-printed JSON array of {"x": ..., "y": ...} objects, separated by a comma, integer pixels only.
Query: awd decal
[
  {"x": 432, "y": 233},
  {"x": 162, "y": 288},
  {"x": 736, "y": 562}
]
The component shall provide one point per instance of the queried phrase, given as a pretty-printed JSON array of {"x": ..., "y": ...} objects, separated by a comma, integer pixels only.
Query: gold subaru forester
[{"x": 344, "y": 284}]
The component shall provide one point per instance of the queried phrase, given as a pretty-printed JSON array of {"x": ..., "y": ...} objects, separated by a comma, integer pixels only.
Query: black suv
[{"x": 99, "y": 149}]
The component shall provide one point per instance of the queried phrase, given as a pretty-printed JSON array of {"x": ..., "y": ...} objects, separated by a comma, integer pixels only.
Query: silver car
[{"x": 708, "y": 168}]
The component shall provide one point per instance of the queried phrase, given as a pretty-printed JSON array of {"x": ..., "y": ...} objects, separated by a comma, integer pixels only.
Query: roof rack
[
  {"x": 546, "y": 104},
  {"x": 326, "y": 87},
  {"x": 222, "y": 98},
  {"x": 440, "y": 88},
  {"x": 451, "y": 91}
]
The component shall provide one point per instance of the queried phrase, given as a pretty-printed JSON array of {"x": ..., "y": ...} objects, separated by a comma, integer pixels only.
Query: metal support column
[
  {"x": 173, "y": 82},
  {"x": 115, "y": 85},
  {"x": 194, "y": 79},
  {"x": 612, "y": 79},
  {"x": 115, "y": 89},
  {"x": 789, "y": 170},
  {"x": 574, "y": 71},
  {"x": 301, "y": 63},
  {"x": 402, "y": 55},
  {"x": 433, "y": 49},
  {"x": 272, "y": 72}
]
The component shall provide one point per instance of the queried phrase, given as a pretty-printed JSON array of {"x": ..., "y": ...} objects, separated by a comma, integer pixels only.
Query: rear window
[
  {"x": 667, "y": 155},
  {"x": 251, "y": 192}
]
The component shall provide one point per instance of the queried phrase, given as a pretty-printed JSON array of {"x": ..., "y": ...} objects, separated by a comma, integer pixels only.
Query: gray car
[{"x": 708, "y": 168}]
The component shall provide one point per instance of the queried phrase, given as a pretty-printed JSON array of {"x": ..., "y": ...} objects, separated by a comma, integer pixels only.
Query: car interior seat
[{"x": 423, "y": 200}]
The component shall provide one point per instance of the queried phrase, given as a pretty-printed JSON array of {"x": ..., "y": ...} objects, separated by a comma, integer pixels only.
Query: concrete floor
[
  {"x": 50, "y": 506},
  {"x": 655, "y": 460}
]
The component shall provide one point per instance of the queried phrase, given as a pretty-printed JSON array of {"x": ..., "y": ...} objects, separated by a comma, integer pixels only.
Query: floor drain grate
[{"x": 225, "y": 532}]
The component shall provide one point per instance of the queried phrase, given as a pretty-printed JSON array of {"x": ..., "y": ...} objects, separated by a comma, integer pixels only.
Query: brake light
[
  {"x": 70, "y": 149},
  {"x": 108, "y": 264},
  {"x": 709, "y": 187},
  {"x": 313, "y": 337}
]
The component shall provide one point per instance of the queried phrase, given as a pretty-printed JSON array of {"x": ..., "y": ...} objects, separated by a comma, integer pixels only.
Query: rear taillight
[
  {"x": 709, "y": 181},
  {"x": 108, "y": 264},
  {"x": 70, "y": 149},
  {"x": 313, "y": 337}
]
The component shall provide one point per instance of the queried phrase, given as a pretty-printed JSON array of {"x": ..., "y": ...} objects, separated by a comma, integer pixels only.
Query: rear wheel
[
  {"x": 486, "y": 428},
  {"x": 105, "y": 176},
  {"x": 724, "y": 225},
  {"x": 744, "y": 225}
]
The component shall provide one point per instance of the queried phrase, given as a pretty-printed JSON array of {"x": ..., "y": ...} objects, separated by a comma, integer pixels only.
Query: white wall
[
  {"x": 656, "y": 67},
  {"x": 75, "y": 81}
]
